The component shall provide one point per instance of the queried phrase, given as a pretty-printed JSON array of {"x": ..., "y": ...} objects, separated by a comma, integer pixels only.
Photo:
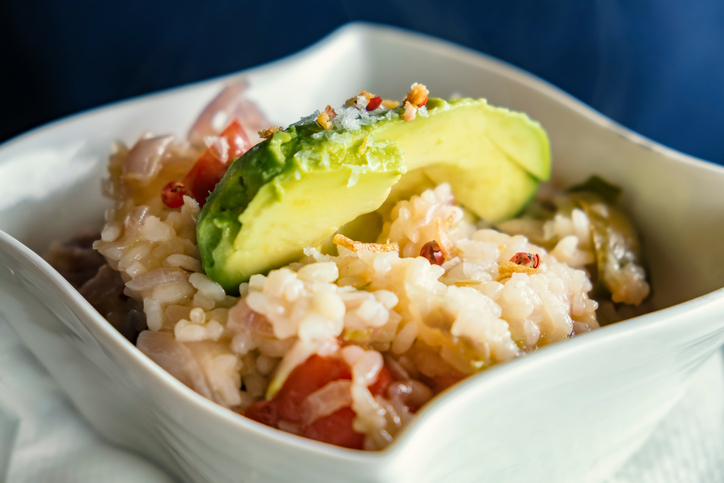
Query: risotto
[{"x": 347, "y": 343}]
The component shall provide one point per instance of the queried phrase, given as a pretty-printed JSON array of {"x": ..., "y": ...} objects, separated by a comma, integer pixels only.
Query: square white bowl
[{"x": 570, "y": 412}]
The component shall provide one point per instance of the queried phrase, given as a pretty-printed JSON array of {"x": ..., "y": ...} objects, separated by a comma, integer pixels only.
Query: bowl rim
[{"x": 103, "y": 331}]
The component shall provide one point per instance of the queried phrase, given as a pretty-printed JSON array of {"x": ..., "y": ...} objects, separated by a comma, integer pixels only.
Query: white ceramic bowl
[{"x": 570, "y": 412}]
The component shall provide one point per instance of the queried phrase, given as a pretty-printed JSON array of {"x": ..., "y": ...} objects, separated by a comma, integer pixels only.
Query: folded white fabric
[
  {"x": 688, "y": 445},
  {"x": 9, "y": 422},
  {"x": 53, "y": 444}
]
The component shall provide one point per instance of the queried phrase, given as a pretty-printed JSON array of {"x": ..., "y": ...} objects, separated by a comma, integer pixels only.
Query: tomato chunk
[
  {"x": 208, "y": 170},
  {"x": 384, "y": 379},
  {"x": 308, "y": 377},
  {"x": 336, "y": 429}
]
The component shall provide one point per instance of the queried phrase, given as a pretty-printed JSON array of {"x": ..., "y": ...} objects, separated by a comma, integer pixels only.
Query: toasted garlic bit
[
  {"x": 329, "y": 110},
  {"x": 267, "y": 133},
  {"x": 505, "y": 270},
  {"x": 390, "y": 104},
  {"x": 363, "y": 147},
  {"x": 467, "y": 283},
  {"x": 417, "y": 95},
  {"x": 323, "y": 120},
  {"x": 441, "y": 237},
  {"x": 356, "y": 246},
  {"x": 410, "y": 112}
]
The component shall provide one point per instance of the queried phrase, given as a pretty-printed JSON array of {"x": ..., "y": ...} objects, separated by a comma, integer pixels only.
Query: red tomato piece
[
  {"x": 336, "y": 429},
  {"x": 311, "y": 375},
  {"x": 384, "y": 379},
  {"x": 208, "y": 170},
  {"x": 266, "y": 412}
]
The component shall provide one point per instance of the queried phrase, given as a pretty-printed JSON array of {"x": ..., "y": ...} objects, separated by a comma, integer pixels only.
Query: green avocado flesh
[{"x": 302, "y": 185}]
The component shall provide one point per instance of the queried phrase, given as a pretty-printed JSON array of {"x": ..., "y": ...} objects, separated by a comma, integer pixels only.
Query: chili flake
[
  {"x": 173, "y": 194},
  {"x": 432, "y": 252},
  {"x": 531, "y": 260},
  {"x": 374, "y": 103}
]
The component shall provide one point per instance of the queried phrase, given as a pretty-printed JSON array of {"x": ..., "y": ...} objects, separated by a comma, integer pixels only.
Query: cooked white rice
[
  {"x": 371, "y": 306},
  {"x": 368, "y": 307}
]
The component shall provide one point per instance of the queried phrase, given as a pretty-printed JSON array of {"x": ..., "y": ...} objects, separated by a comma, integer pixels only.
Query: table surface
[{"x": 52, "y": 443}]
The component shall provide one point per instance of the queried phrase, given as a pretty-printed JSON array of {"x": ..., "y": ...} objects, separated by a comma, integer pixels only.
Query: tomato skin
[
  {"x": 208, "y": 170},
  {"x": 265, "y": 412},
  {"x": 336, "y": 429},
  {"x": 308, "y": 377},
  {"x": 384, "y": 379},
  {"x": 311, "y": 375}
]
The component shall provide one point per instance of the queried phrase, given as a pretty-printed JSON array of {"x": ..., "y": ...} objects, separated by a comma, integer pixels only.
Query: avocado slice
[{"x": 299, "y": 187}]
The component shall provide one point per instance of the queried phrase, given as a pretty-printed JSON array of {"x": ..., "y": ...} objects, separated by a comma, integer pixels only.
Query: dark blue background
[{"x": 656, "y": 66}]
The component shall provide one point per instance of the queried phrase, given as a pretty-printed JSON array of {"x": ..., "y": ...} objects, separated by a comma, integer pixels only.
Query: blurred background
[{"x": 655, "y": 66}]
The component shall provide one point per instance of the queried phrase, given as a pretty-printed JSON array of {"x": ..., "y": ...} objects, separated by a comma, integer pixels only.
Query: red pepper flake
[
  {"x": 423, "y": 102},
  {"x": 173, "y": 194},
  {"x": 531, "y": 260},
  {"x": 432, "y": 252},
  {"x": 374, "y": 103}
]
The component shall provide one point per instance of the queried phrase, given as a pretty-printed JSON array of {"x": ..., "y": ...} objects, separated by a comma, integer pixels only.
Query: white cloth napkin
[
  {"x": 688, "y": 445},
  {"x": 53, "y": 444}
]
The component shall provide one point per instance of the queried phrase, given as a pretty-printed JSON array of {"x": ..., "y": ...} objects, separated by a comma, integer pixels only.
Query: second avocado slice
[{"x": 300, "y": 186}]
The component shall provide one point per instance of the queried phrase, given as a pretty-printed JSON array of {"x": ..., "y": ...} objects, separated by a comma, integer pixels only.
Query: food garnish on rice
[{"x": 379, "y": 281}]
